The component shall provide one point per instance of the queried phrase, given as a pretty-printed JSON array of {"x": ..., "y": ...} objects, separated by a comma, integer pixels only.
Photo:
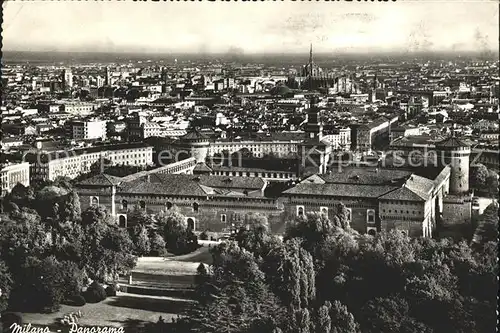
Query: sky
[{"x": 251, "y": 27}]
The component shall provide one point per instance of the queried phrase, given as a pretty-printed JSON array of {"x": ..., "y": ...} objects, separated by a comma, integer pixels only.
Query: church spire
[{"x": 311, "y": 55}]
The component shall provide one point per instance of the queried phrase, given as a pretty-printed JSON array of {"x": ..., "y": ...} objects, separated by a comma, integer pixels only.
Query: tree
[
  {"x": 107, "y": 249},
  {"x": 22, "y": 235},
  {"x": 5, "y": 285},
  {"x": 477, "y": 176},
  {"x": 324, "y": 322},
  {"x": 178, "y": 237},
  {"x": 234, "y": 298},
  {"x": 487, "y": 229},
  {"x": 71, "y": 210},
  {"x": 142, "y": 243},
  {"x": 47, "y": 198},
  {"x": 40, "y": 287},
  {"x": 256, "y": 238},
  {"x": 20, "y": 195},
  {"x": 290, "y": 272},
  {"x": 302, "y": 321},
  {"x": 110, "y": 254},
  {"x": 202, "y": 283},
  {"x": 384, "y": 314},
  {"x": 157, "y": 245},
  {"x": 138, "y": 217},
  {"x": 492, "y": 183},
  {"x": 313, "y": 230},
  {"x": 74, "y": 278},
  {"x": 342, "y": 320},
  {"x": 96, "y": 215}
]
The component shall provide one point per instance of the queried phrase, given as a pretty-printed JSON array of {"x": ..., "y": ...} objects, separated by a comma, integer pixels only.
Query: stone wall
[
  {"x": 457, "y": 210},
  {"x": 358, "y": 209}
]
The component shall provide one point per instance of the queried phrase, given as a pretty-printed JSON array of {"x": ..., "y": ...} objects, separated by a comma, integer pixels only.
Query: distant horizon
[{"x": 294, "y": 53}]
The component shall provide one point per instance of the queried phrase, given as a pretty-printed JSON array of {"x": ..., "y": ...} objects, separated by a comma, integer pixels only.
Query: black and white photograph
[{"x": 249, "y": 166}]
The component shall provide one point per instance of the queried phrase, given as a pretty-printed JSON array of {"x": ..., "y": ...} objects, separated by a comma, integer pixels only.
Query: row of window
[
  {"x": 300, "y": 211},
  {"x": 169, "y": 205},
  {"x": 400, "y": 211},
  {"x": 258, "y": 174},
  {"x": 122, "y": 222}
]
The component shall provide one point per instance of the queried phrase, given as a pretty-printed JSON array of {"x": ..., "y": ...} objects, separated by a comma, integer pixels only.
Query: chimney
[{"x": 148, "y": 178}]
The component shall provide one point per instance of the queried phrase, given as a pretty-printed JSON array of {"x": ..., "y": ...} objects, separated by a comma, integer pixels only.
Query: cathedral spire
[{"x": 311, "y": 55}]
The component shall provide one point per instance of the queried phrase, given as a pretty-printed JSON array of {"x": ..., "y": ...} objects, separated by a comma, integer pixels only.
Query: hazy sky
[{"x": 251, "y": 27}]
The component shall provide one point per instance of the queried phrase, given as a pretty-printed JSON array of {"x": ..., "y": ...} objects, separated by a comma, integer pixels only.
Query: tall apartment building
[
  {"x": 49, "y": 166},
  {"x": 13, "y": 174},
  {"x": 85, "y": 130}
]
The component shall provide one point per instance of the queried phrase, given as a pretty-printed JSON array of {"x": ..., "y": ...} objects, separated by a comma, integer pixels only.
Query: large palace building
[{"x": 416, "y": 201}]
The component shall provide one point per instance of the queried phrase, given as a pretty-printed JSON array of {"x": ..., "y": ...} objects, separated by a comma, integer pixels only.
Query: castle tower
[
  {"x": 198, "y": 145},
  {"x": 456, "y": 154}
]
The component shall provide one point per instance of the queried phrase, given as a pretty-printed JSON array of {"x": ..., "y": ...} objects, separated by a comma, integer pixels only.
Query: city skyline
[{"x": 267, "y": 27}]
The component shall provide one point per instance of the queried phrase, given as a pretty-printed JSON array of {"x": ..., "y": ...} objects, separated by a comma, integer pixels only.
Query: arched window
[
  {"x": 122, "y": 221},
  {"x": 190, "y": 223},
  {"x": 124, "y": 204},
  {"x": 169, "y": 205},
  {"x": 142, "y": 204},
  {"x": 372, "y": 232},
  {"x": 195, "y": 207},
  {"x": 94, "y": 201},
  {"x": 370, "y": 216}
]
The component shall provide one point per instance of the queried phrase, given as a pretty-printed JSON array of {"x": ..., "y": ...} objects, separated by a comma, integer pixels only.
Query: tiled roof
[
  {"x": 232, "y": 182},
  {"x": 315, "y": 179},
  {"x": 367, "y": 176},
  {"x": 202, "y": 167},
  {"x": 340, "y": 190},
  {"x": 452, "y": 141},
  {"x": 194, "y": 135},
  {"x": 171, "y": 185},
  {"x": 402, "y": 193},
  {"x": 421, "y": 186},
  {"x": 190, "y": 185},
  {"x": 102, "y": 180}
]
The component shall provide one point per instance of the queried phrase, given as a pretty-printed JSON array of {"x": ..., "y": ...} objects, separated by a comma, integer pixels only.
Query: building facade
[
  {"x": 215, "y": 203},
  {"x": 49, "y": 166},
  {"x": 376, "y": 199},
  {"x": 12, "y": 174},
  {"x": 85, "y": 130}
]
